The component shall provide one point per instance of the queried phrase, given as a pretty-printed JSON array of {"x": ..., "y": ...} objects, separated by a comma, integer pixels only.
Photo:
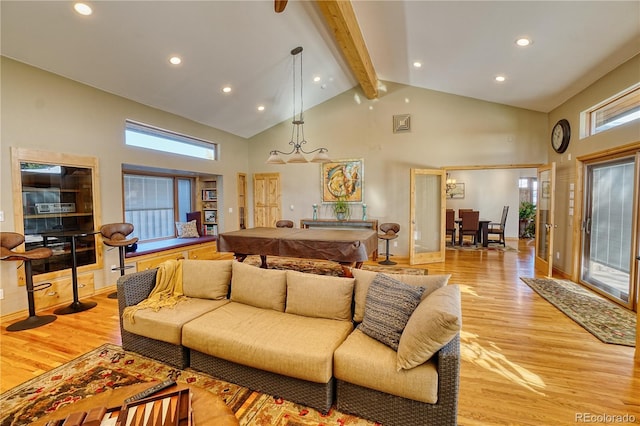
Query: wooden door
[
  {"x": 427, "y": 222},
  {"x": 545, "y": 225},
  {"x": 242, "y": 200},
  {"x": 266, "y": 199}
]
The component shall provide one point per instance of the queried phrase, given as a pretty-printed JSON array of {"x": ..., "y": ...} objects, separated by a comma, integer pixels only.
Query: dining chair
[
  {"x": 498, "y": 228},
  {"x": 451, "y": 225},
  {"x": 460, "y": 211},
  {"x": 470, "y": 226}
]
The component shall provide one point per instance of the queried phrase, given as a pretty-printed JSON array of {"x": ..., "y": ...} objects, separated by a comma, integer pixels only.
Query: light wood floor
[{"x": 524, "y": 362}]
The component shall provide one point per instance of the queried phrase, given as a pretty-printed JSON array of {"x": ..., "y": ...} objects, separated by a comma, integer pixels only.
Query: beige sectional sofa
[{"x": 294, "y": 335}]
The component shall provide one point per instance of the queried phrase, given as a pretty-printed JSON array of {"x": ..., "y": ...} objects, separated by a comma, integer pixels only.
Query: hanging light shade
[{"x": 297, "y": 131}]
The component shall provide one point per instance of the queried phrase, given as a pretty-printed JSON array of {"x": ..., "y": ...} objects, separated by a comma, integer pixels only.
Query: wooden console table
[{"x": 344, "y": 224}]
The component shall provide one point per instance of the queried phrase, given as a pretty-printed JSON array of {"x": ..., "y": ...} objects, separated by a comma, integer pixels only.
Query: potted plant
[
  {"x": 527, "y": 214},
  {"x": 341, "y": 208}
]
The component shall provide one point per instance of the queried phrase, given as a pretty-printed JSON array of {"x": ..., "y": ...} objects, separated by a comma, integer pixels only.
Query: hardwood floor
[{"x": 524, "y": 362}]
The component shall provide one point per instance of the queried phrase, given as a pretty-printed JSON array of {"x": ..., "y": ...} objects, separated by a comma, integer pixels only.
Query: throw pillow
[
  {"x": 364, "y": 279},
  {"x": 389, "y": 305},
  {"x": 436, "y": 321},
  {"x": 187, "y": 229}
]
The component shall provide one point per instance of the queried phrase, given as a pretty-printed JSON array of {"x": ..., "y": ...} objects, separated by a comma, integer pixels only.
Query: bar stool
[
  {"x": 390, "y": 233},
  {"x": 8, "y": 241},
  {"x": 115, "y": 235},
  {"x": 284, "y": 224}
]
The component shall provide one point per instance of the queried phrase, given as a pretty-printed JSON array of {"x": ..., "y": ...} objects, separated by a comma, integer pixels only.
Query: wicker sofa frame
[
  {"x": 394, "y": 410},
  {"x": 363, "y": 402}
]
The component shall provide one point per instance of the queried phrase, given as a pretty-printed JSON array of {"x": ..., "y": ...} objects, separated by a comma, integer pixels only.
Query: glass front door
[{"x": 607, "y": 244}]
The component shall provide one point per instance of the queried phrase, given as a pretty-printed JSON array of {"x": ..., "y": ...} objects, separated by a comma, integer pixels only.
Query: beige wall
[
  {"x": 446, "y": 130},
  {"x": 619, "y": 79},
  {"x": 44, "y": 111}
]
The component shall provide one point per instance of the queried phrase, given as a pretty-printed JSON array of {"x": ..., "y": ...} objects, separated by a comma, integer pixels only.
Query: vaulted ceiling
[{"x": 124, "y": 48}]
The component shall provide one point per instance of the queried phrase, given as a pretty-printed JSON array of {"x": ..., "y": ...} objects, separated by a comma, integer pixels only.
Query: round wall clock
[{"x": 560, "y": 136}]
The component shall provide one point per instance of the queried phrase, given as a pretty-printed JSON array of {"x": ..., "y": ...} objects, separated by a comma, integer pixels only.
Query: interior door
[
  {"x": 545, "y": 218},
  {"x": 427, "y": 216},
  {"x": 266, "y": 199}
]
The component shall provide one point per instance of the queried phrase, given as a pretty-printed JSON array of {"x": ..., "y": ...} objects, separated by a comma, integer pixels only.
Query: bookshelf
[{"x": 209, "y": 201}]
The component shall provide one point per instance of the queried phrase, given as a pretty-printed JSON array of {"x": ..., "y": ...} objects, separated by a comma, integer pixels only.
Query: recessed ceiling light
[
  {"x": 175, "y": 60},
  {"x": 417, "y": 64},
  {"x": 226, "y": 89},
  {"x": 500, "y": 78},
  {"x": 316, "y": 79},
  {"x": 260, "y": 107},
  {"x": 523, "y": 41},
  {"x": 83, "y": 9}
]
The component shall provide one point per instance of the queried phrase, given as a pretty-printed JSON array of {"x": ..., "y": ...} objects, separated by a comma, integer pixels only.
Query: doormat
[{"x": 604, "y": 319}]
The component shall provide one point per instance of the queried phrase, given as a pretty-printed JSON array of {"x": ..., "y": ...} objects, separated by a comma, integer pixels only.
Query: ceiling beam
[{"x": 341, "y": 18}]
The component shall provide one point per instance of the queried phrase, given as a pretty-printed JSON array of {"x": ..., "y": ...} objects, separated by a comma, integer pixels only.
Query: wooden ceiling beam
[{"x": 341, "y": 18}]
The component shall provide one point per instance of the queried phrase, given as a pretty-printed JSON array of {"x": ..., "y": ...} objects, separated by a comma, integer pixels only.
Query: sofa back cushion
[
  {"x": 365, "y": 278},
  {"x": 262, "y": 288},
  {"x": 206, "y": 279},
  {"x": 319, "y": 296}
]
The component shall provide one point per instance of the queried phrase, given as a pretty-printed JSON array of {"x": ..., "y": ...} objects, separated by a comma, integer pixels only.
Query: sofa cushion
[
  {"x": 366, "y": 362},
  {"x": 262, "y": 288},
  {"x": 291, "y": 345},
  {"x": 319, "y": 296},
  {"x": 166, "y": 323},
  {"x": 432, "y": 325},
  {"x": 206, "y": 279},
  {"x": 364, "y": 279},
  {"x": 389, "y": 305}
]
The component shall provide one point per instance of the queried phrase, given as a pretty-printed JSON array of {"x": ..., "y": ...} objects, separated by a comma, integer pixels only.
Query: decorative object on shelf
[
  {"x": 315, "y": 212},
  {"x": 560, "y": 136},
  {"x": 341, "y": 208},
  {"x": 344, "y": 179},
  {"x": 364, "y": 211},
  {"x": 297, "y": 131},
  {"x": 451, "y": 185},
  {"x": 401, "y": 123}
]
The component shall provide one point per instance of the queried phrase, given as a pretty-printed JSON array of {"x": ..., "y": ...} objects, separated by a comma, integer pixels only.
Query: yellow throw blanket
[{"x": 167, "y": 292}]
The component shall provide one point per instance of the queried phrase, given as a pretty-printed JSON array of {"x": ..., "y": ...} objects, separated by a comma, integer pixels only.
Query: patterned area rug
[
  {"x": 322, "y": 267},
  {"x": 109, "y": 367},
  {"x": 604, "y": 319}
]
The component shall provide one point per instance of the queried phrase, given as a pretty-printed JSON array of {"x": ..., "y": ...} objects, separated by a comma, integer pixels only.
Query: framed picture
[
  {"x": 457, "y": 192},
  {"x": 343, "y": 179},
  {"x": 210, "y": 215},
  {"x": 546, "y": 189}
]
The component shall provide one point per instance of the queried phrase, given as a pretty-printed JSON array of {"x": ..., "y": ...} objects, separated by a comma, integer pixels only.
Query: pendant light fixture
[{"x": 297, "y": 131}]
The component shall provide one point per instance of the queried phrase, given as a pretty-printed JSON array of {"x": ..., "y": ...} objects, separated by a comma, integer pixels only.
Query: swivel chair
[
  {"x": 390, "y": 233},
  {"x": 115, "y": 235},
  {"x": 9, "y": 241},
  {"x": 284, "y": 224}
]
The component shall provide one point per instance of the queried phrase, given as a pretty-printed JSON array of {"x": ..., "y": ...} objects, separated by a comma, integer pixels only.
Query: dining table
[{"x": 483, "y": 230}]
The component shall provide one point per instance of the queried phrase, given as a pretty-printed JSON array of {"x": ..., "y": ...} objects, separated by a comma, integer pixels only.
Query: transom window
[
  {"x": 615, "y": 111},
  {"x": 143, "y": 136}
]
